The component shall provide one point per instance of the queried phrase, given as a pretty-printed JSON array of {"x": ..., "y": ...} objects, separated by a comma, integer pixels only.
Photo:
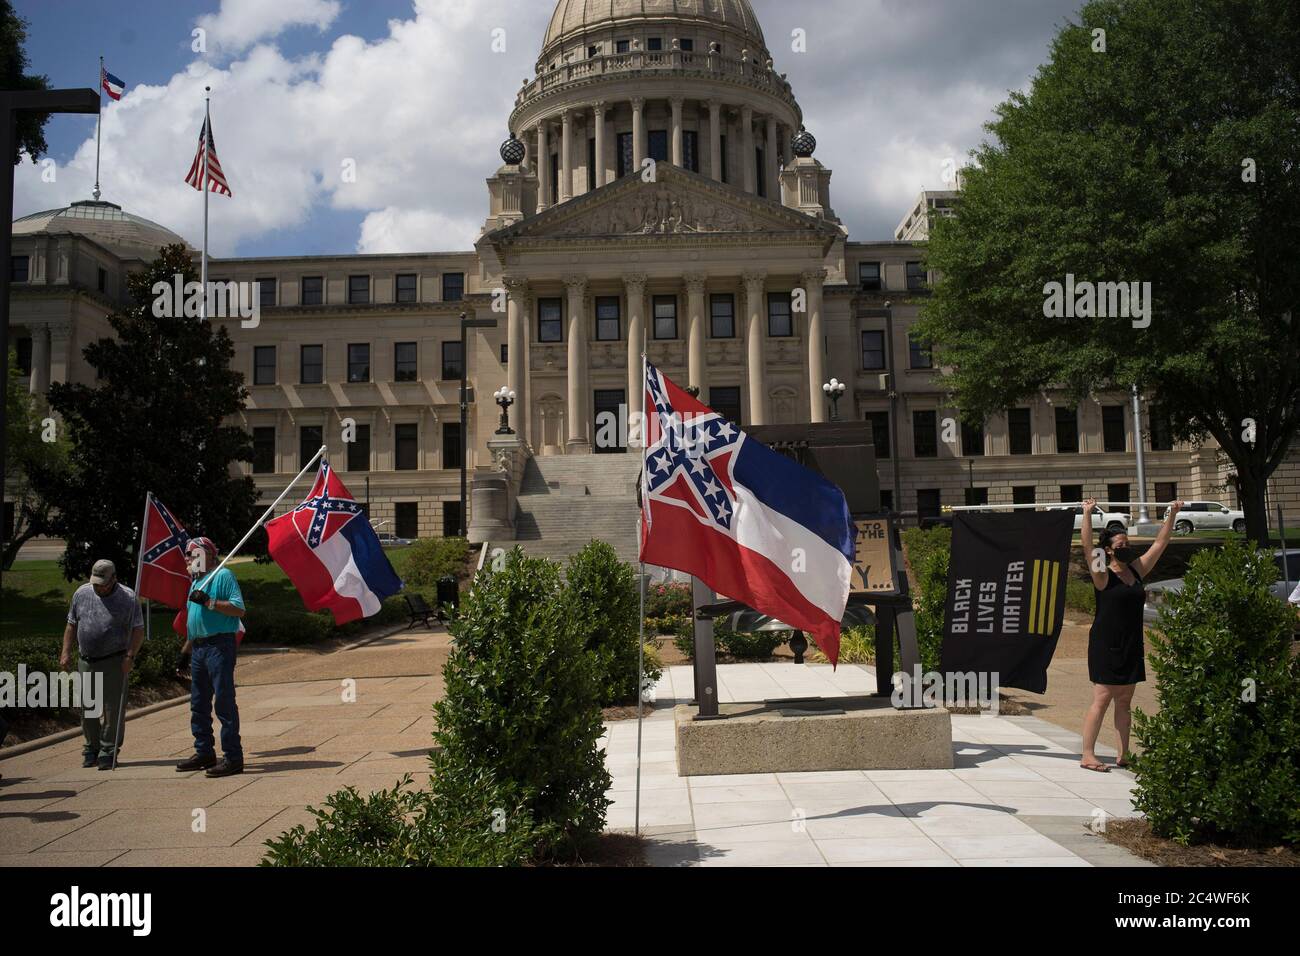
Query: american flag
[{"x": 216, "y": 178}]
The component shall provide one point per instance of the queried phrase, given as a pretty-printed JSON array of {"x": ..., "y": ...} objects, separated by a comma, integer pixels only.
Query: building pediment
[{"x": 679, "y": 204}]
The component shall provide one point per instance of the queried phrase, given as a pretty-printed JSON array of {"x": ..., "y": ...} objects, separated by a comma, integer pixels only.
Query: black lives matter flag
[{"x": 1006, "y": 594}]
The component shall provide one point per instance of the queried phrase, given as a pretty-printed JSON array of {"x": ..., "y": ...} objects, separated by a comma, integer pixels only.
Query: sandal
[{"x": 1098, "y": 767}]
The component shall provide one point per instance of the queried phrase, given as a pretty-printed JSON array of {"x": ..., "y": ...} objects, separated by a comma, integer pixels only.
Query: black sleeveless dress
[{"x": 1115, "y": 650}]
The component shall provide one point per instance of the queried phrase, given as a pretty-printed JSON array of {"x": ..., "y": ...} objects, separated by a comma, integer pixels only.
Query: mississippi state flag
[
  {"x": 111, "y": 84},
  {"x": 750, "y": 523},
  {"x": 164, "y": 576},
  {"x": 331, "y": 553}
]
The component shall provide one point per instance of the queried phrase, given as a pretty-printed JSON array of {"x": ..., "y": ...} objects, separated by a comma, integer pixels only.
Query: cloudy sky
[{"x": 411, "y": 92}]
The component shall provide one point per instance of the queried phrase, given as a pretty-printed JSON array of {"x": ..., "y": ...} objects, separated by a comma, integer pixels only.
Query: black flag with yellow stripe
[{"x": 1006, "y": 595}]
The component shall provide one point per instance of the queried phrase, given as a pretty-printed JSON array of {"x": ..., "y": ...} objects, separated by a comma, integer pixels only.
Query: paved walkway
[
  {"x": 1016, "y": 797},
  {"x": 302, "y": 741}
]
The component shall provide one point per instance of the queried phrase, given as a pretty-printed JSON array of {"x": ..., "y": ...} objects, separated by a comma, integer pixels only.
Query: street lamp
[
  {"x": 505, "y": 398},
  {"x": 465, "y": 325},
  {"x": 834, "y": 389}
]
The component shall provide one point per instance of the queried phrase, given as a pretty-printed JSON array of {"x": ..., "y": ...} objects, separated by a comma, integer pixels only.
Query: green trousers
[{"x": 103, "y": 733}]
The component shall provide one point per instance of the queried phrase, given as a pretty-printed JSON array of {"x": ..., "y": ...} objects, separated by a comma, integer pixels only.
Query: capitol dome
[
  {"x": 122, "y": 233},
  {"x": 576, "y": 19}
]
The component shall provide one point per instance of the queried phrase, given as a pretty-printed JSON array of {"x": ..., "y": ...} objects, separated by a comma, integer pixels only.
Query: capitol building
[{"x": 658, "y": 192}]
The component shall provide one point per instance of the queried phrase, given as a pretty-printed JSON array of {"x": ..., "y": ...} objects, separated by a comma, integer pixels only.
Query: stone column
[
  {"x": 747, "y": 149},
  {"x": 715, "y": 140},
  {"x": 516, "y": 355},
  {"x": 566, "y": 155},
  {"x": 770, "y": 162},
  {"x": 545, "y": 199},
  {"x": 812, "y": 283},
  {"x": 578, "y": 442},
  {"x": 696, "y": 363},
  {"x": 634, "y": 285},
  {"x": 638, "y": 132},
  {"x": 754, "y": 347},
  {"x": 598, "y": 115},
  {"x": 40, "y": 380},
  {"x": 679, "y": 152},
  {"x": 61, "y": 353}
]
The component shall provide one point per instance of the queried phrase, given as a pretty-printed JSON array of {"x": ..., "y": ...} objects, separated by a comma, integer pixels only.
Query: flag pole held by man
[{"x": 752, "y": 524}]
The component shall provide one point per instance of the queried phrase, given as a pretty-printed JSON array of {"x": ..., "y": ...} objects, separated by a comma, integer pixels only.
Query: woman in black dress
[{"x": 1116, "y": 656}]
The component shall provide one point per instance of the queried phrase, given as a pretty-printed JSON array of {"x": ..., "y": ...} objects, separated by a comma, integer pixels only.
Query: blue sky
[{"x": 409, "y": 92}]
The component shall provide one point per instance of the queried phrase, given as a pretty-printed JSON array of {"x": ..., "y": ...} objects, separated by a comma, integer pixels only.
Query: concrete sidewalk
[
  {"x": 1017, "y": 796},
  {"x": 302, "y": 742}
]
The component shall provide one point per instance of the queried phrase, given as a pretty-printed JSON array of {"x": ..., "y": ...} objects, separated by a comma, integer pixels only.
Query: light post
[
  {"x": 834, "y": 389},
  {"x": 465, "y": 325},
  {"x": 505, "y": 398}
]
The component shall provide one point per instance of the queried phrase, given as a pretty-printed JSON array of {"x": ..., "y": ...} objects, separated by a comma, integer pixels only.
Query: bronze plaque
[{"x": 873, "y": 563}]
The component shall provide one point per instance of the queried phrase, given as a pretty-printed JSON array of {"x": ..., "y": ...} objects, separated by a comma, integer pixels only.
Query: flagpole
[
  {"x": 640, "y": 644},
  {"x": 203, "y": 182},
  {"x": 99, "y": 125},
  {"x": 139, "y": 567},
  {"x": 269, "y": 511}
]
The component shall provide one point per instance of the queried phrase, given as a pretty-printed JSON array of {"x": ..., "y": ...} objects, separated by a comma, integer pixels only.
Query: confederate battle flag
[{"x": 163, "y": 574}]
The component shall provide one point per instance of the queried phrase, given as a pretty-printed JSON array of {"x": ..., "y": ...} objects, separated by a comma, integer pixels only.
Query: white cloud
[
  {"x": 238, "y": 24},
  {"x": 420, "y": 112}
]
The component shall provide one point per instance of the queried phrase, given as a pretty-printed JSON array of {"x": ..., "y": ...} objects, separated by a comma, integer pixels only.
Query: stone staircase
[{"x": 566, "y": 500}]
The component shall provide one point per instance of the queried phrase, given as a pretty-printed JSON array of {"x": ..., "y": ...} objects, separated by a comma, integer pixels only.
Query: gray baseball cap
[{"x": 102, "y": 572}]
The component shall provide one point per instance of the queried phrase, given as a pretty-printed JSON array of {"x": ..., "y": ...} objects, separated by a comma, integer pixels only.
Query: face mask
[{"x": 1125, "y": 555}]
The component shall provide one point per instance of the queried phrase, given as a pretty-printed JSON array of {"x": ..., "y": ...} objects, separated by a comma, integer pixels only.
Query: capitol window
[
  {"x": 722, "y": 316},
  {"x": 607, "y": 319},
  {"x": 779, "y": 322},
  {"x": 550, "y": 320},
  {"x": 665, "y": 307}
]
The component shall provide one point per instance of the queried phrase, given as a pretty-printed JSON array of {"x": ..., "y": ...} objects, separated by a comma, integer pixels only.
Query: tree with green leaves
[
  {"x": 154, "y": 420},
  {"x": 33, "y": 444},
  {"x": 29, "y": 126},
  {"x": 1160, "y": 143}
]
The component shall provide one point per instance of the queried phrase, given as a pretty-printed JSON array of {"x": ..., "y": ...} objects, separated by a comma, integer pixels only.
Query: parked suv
[
  {"x": 1208, "y": 516},
  {"x": 1110, "y": 520}
]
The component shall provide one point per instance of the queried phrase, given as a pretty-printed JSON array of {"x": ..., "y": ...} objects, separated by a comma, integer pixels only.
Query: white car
[
  {"x": 1110, "y": 520},
  {"x": 1208, "y": 516}
]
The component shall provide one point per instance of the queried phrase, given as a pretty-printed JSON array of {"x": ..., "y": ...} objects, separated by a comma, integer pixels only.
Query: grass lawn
[{"x": 35, "y": 597}]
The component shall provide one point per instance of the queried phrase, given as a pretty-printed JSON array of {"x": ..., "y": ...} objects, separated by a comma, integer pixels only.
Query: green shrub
[
  {"x": 603, "y": 603},
  {"x": 668, "y": 600},
  {"x": 480, "y": 826},
  {"x": 748, "y": 645},
  {"x": 684, "y": 636},
  {"x": 521, "y": 708},
  {"x": 1221, "y": 759},
  {"x": 857, "y": 646},
  {"x": 1080, "y": 595},
  {"x": 432, "y": 558},
  {"x": 928, "y": 552}
]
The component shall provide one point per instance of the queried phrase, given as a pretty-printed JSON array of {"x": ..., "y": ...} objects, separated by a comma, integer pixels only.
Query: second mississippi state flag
[
  {"x": 331, "y": 553},
  {"x": 752, "y": 524}
]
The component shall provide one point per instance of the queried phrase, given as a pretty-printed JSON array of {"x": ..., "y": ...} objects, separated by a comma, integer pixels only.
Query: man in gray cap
[{"x": 106, "y": 622}]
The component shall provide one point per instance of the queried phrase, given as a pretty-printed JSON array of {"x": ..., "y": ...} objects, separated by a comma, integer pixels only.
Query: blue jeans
[{"x": 212, "y": 674}]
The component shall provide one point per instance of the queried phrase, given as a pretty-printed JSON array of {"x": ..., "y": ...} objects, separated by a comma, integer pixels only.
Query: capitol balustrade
[{"x": 644, "y": 61}]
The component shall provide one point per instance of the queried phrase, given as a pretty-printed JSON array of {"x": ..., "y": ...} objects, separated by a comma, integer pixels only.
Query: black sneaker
[
  {"x": 105, "y": 763},
  {"x": 226, "y": 768},
  {"x": 88, "y": 761},
  {"x": 197, "y": 762}
]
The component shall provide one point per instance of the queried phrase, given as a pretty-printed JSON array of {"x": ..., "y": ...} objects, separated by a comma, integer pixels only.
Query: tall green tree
[
  {"x": 29, "y": 126},
  {"x": 33, "y": 444},
  {"x": 1160, "y": 143},
  {"x": 153, "y": 421}
]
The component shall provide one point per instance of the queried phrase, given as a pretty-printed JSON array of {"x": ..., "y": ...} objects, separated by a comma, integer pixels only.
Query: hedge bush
[
  {"x": 1221, "y": 759},
  {"x": 928, "y": 552},
  {"x": 522, "y": 708},
  {"x": 749, "y": 645},
  {"x": 603, "y": 604},
  {"x": 432, "y": 558},
  {"x": 857, "y": 646},
  {"x": 668, "y": 600}
]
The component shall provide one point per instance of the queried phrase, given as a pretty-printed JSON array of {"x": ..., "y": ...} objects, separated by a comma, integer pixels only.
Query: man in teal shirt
[{"x": 212, "y": 620}]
